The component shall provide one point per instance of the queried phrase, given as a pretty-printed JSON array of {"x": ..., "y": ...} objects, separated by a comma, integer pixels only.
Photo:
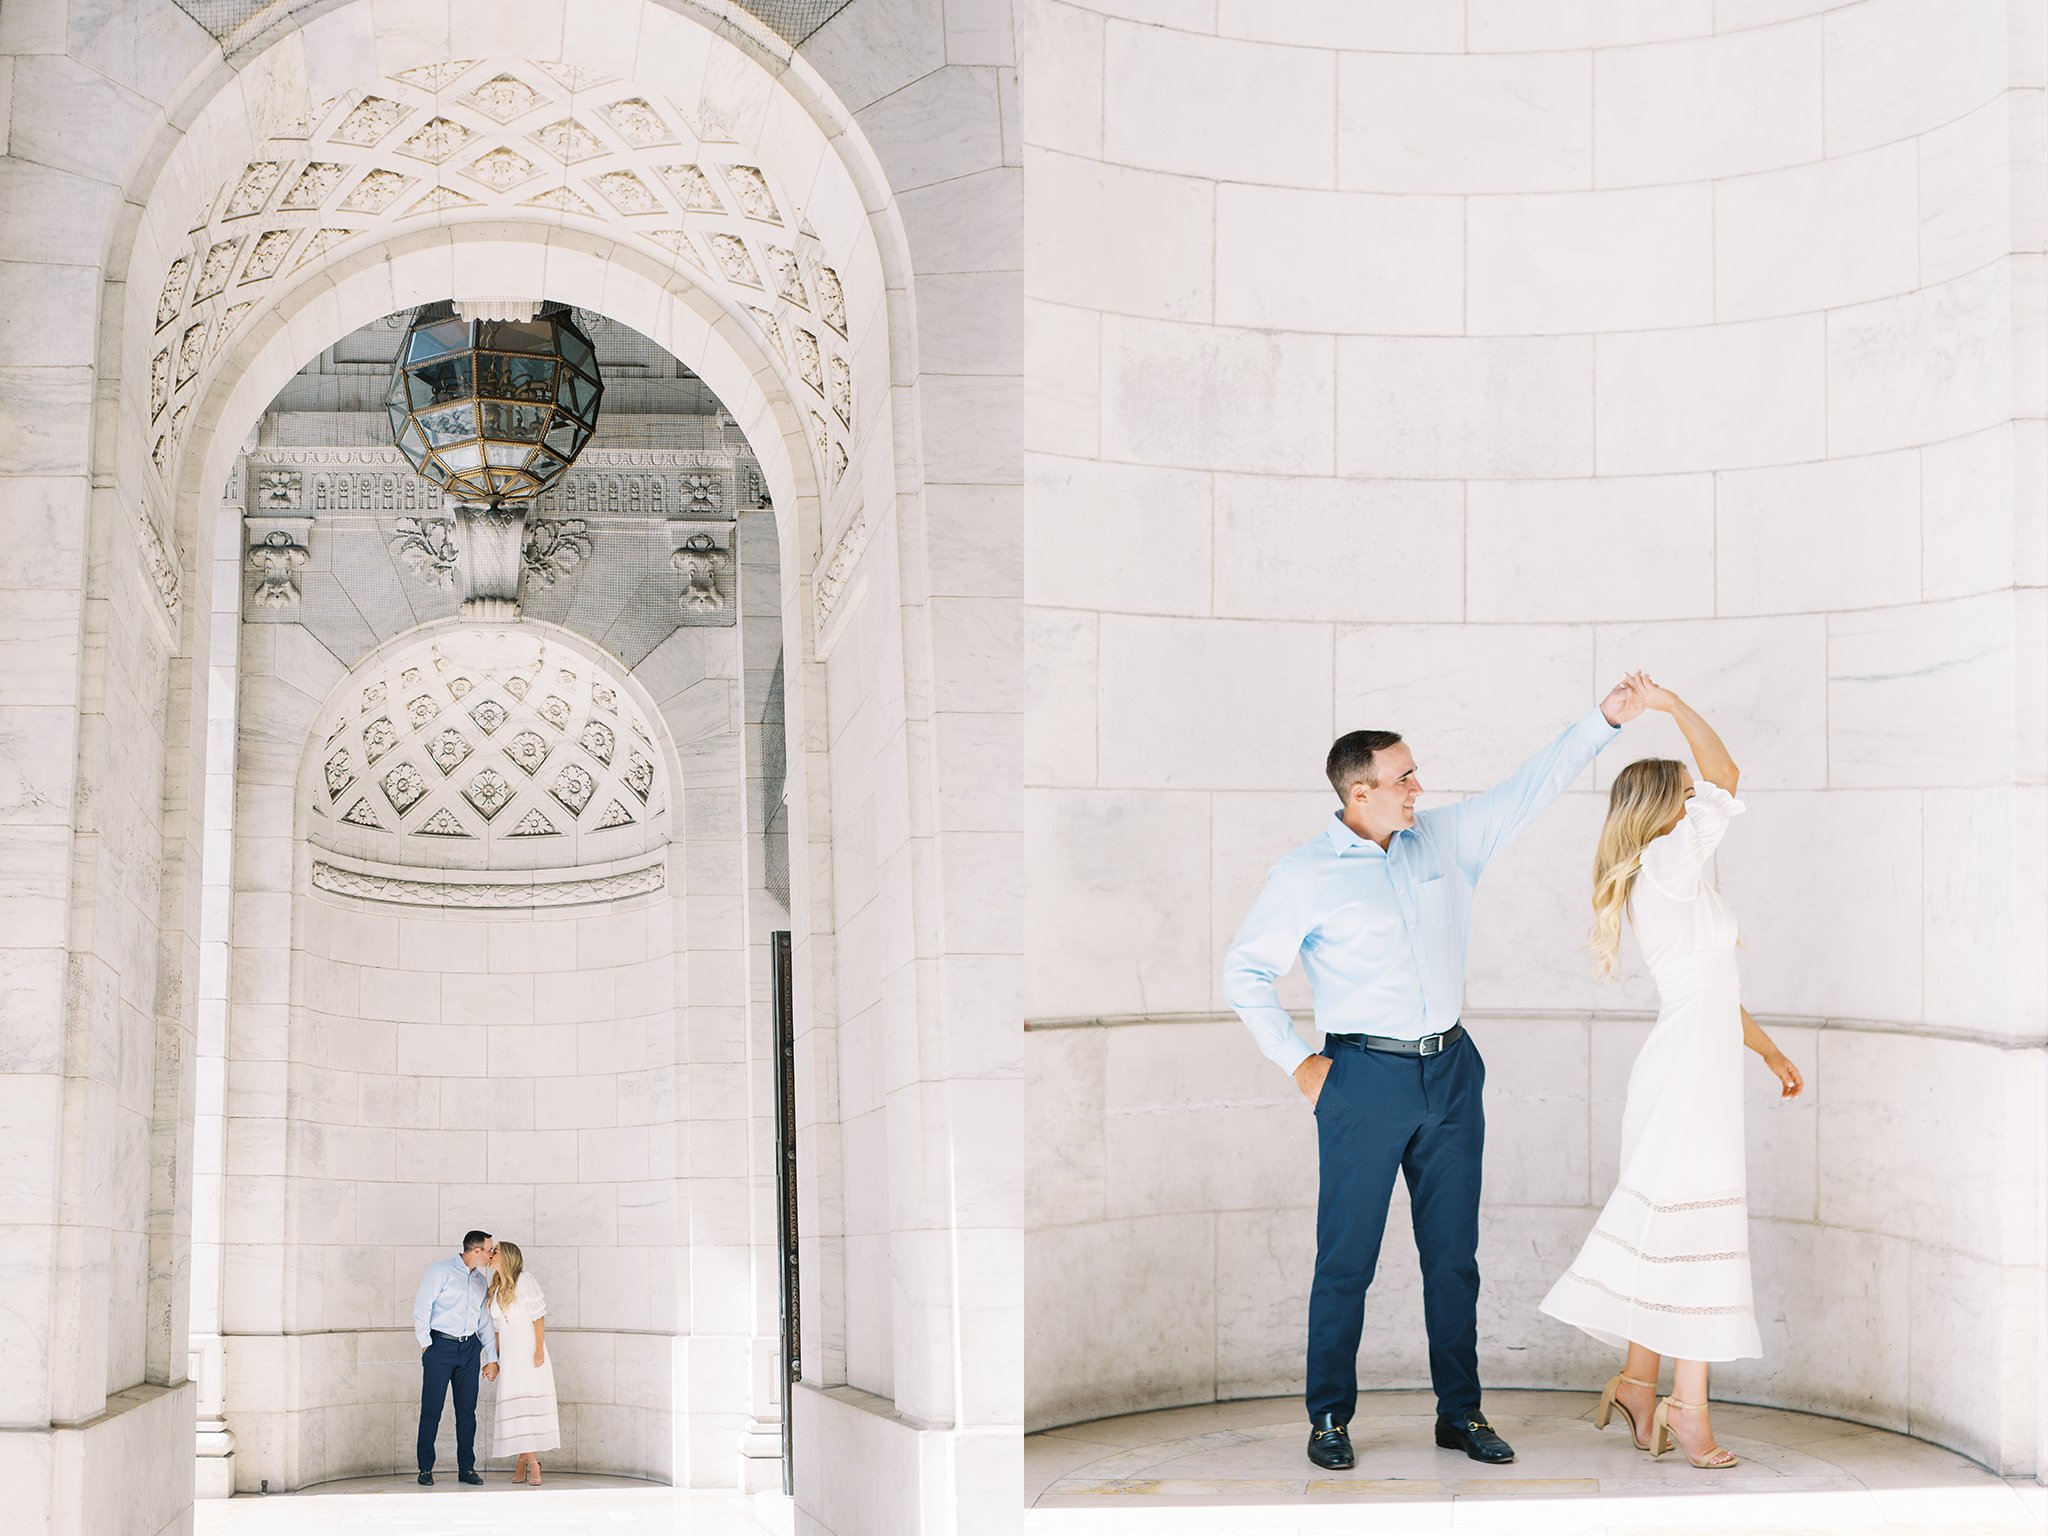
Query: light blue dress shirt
[
  {"x": 1382, "y": 934},
  {"x": 451, "y": 1300}
]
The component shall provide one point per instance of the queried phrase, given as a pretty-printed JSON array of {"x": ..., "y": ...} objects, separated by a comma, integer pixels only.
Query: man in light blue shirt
[
  {"x": 451, "y": 1319},
  {"x": 1378, "y": 905}
]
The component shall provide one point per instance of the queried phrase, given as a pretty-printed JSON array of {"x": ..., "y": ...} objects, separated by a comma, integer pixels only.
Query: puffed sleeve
[
  {"x": 531, "y": 1294},
  {"x": 1676, "y": 862}
]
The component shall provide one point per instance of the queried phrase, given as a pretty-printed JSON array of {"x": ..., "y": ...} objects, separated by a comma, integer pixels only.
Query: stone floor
[
  {"x": 1239, "y": 1467},
  {"x": 566, "y": 1504}
]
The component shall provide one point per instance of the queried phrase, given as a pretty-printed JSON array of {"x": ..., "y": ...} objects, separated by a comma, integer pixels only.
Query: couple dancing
[
  {"x": 467, "y": 1310},
  {"x": 1377, "y": 906}
]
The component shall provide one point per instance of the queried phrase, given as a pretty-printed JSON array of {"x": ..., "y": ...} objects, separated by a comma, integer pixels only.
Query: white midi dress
[
  {"x": 527, "y": 1418},
  {"x": 1667, "y": 1264}
]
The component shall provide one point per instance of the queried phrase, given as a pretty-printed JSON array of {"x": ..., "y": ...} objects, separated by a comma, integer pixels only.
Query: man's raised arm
[{"x": 1485, "y": 824}]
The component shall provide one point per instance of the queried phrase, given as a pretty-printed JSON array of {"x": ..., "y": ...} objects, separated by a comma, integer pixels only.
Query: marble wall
[{"x": 1475, "y": 354}]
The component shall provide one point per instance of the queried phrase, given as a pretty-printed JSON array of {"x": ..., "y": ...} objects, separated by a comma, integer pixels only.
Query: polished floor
[
  {"x": 566, "y": 1504},
  {"x": 1239, "y": 1467}
]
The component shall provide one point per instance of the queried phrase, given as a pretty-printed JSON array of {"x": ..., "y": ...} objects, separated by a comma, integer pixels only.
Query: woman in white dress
[
  {"x": 1666, "y": 1269},
  {"x": 527, "y": 1421}
]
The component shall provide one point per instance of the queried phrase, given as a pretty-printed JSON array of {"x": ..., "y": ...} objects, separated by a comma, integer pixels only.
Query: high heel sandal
[
  {"x": 1662, "y": 1439},
  {"x": 1609, "y": 1403}
]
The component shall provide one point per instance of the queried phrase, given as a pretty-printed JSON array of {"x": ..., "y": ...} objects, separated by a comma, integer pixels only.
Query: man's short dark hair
[
  {"x": 474, "y": 1240},
  {"x": 1351, "y": 757}
]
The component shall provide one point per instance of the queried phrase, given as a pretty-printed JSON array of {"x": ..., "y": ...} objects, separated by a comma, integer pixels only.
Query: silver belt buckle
[{"x": 1432, "y": 1045}]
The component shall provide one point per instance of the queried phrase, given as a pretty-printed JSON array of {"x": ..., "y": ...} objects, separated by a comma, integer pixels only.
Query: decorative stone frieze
[{"x": 468, "y": 891}]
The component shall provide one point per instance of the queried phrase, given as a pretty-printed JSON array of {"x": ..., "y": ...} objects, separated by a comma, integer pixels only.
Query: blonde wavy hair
[
  {"x": 1646, "y": 798},
  {"x": 505, "y": 1279}
]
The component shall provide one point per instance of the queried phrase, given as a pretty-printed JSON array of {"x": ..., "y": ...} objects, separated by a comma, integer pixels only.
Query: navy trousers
[
  {"x": 446, "y": 1363},
  {"x": 1380, "y": 1113}
]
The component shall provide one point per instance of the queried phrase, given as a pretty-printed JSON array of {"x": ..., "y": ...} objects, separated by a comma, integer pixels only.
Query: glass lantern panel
[
  {"x": 575, "y": 349},
  {"x": 435, "y": 471},
  {"x": 398, "y": 418},
  {"x": 453, "y": 378},
  {"x": 503, "y": 377},
  {"x": 515, "y": 336},
  {"x": 412, "y": 442},
  {"x": 454, "y": 425},
  {"x": 579, "y": 394},
  {"x": 545, "y": 465},
  {"x": 506, "y": 453},
  {"x": 566, "y": 436},
  {"x": 513, "y": 423},
  {"x": 431, "y": 341},
  {"x": 464, "y": 457}
]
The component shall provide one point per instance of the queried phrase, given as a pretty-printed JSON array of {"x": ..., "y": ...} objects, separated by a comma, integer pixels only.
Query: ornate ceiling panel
[
  {"x": 491, "y": 137},
  {"x": 487, "y": 749}
]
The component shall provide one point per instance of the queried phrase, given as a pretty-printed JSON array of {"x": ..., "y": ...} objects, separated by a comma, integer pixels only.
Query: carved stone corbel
[
  {"x": 278, "y": 549},
  {"x": 703, "y": 558}
]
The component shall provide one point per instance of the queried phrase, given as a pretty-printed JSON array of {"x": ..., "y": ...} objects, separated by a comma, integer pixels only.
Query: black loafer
[
  {"x": 1475, "y": 1437},
  {"x": 475, "y": 1479},
  {"x": 426, "y": 1479},
  {"x": 1329, "y": 1444}
]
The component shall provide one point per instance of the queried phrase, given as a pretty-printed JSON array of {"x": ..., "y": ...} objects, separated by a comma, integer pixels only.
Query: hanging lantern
[{"x": 493, "y": 410}]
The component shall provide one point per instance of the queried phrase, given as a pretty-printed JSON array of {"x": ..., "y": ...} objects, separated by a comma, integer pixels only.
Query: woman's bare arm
[
  {"x": 540, "y": 1334},
  {"x": 1781, "y": 1066},
  {"x": 1708, "y": 750}
]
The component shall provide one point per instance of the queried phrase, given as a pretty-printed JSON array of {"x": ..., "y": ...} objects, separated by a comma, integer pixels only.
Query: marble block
[
  {"x": 1714, "y": 397},
  {"x": 1348, "y": 550},
  {"x": 1661, "y": 110},
  {"x": 1161, "y": 683},
  {"x": 1545, "y": 551},
  {"x": 1162, "y": 400},
  {"x": 1218, "y": 107},
  {"x": 1457, "y": 407},
  {"x": 1556, "y": 262},
  {"x": 1455, "y": 123}
]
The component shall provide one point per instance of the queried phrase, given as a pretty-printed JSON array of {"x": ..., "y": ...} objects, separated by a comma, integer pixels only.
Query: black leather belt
[
  {"x": 452, "y": 1338},
  {"x": 1428, "y": 1045}
]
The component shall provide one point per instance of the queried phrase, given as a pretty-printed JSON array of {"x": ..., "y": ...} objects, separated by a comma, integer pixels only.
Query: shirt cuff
[
  {"x": 1292, "y": 1053},
  {"x": 1597, "y": 723}
]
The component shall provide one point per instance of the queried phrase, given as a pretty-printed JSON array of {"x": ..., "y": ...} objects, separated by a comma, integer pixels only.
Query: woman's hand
[
  {"x": 1661, "y": 699},
  {"x": 1786, "y": 1074},
  {"x": 540, "y": 1355}
]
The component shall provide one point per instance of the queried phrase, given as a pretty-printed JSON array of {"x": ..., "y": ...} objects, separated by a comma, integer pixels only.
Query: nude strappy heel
[
  {"x": 1609, "y": 1403},
  {"x": 1661, "y": 1439}
]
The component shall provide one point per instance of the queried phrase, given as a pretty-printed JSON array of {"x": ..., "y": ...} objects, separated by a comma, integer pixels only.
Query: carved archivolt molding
[
  {"x": 159, "y": 563},
  {"x": 835, "y": 573},
  {"x": 499, "y": 136},
  {"x": 467, "y": 891}
]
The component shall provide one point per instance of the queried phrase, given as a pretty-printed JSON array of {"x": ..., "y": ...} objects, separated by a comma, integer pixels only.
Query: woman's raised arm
[{"x": 1708, "y": 750}]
